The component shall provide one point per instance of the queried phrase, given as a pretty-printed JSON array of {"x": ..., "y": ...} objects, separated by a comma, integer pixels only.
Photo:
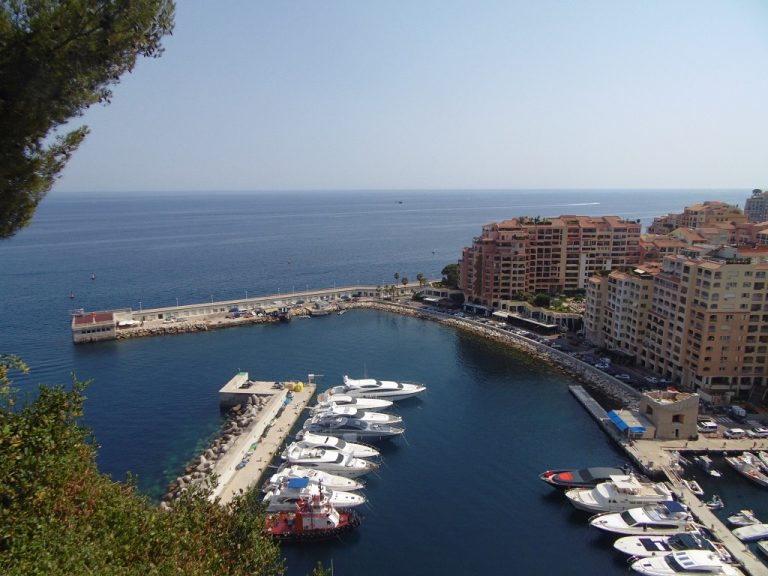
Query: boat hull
[{"x": 279, "y": 528}]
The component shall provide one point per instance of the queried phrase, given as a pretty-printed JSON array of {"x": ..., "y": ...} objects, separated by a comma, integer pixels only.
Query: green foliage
[
  {"x": 451, "y": 275},
  {"x": 542, "y": 300},
  {"x": 57, "y": 58},
  {"x": 59, "y": 515}
]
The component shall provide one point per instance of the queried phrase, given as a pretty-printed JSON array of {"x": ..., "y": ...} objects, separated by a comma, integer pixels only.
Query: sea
[{"x": 459, "y": 493}]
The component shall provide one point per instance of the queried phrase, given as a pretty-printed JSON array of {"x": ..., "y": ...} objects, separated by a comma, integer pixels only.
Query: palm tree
[
  {"x": 421, "y": 279},
  {"x": 404, "y": 280}
]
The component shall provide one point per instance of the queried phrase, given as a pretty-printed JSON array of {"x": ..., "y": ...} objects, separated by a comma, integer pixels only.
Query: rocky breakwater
[
  {"x": 200, "y": 471},
  {"x": 159, "y": 329}
]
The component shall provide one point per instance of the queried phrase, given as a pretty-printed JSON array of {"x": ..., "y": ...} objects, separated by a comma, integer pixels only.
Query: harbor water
[{"x": 459, "y": 493}]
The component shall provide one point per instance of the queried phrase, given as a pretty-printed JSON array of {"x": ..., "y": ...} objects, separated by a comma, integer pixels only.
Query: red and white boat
[{"x": 313, "y": 519}]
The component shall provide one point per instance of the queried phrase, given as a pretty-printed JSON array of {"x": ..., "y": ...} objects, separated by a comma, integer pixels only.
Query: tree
[
  {"x": 397, "y": 276},
  {"x": 404, "y": 280},
  {"x": 542, "y": 300},
  {"x": 421, "y": 279},
  {"x": 57, "y": 58},
  {"x": 451, "y": 275}
]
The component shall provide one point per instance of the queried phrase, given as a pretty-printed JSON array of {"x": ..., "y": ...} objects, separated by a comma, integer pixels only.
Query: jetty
[{"x": 659, "y": 459}]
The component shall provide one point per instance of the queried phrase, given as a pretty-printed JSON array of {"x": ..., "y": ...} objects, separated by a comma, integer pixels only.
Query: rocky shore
[{"x": 198, "y": 472}]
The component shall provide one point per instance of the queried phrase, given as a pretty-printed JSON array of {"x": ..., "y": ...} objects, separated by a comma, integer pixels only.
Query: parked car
[
  {"x": 734, "y": 433},
  {"x": 623, "y": 376},
  {"x": 707, "y": 427},
  {"x": 758, "y": 433},
  {"x": 651, "y": 379}
]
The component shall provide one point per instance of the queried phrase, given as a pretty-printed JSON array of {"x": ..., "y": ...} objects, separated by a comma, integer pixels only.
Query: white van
[
  {"x": 734, "y": 433},
  {"x": 707, "y": 427}
]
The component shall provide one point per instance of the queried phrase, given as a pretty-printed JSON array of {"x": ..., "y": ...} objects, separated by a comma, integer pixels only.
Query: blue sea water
[{"x": 459, "y": 495}]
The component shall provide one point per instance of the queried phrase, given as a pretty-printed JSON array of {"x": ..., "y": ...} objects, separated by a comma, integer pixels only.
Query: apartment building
[
  {"x": 705, "y": 325},
  {"x": 550, "y": 255},
  {"x": 756, "y": 206},
  {"x": 708, "y": 214}
]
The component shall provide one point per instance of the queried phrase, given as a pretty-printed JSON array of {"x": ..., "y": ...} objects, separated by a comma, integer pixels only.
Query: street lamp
[
  {"x": 139, "y": 305},
  {"x": 211, "y": 298},
  {"x": 246, "y": 294},
  {"x": 177, "y": 302}
]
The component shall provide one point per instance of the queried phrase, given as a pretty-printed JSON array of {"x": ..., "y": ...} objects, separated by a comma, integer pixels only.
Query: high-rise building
[
  {"x": 707, "y": 214},
  {"x": 756, "y": 206},
  {"x": 530, "y": 255},
  {"x": 705, "y": 325}
]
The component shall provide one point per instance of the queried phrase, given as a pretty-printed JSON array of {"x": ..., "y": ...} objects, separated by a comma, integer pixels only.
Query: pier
[{"x": 658, "y": 458}]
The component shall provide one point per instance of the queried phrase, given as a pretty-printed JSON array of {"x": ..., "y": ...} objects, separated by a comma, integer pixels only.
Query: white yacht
[
  {"x": 684, "y": 563},
  {"x": 352, "y": 429},
  {"x": 325, "y": 400},
  {"x": 306, "y": 439},
  {"x": 751, "y": 532},
  {"x": 646, "y": 546},
  {"x": 371, "y": 388},
  {"x": 287, "y": 496},
  {"x": 350, "y": 412},
  {"x": 315, "y": 476},
  {"x": 748, "y": 465},
  {"x": 743, "y": 518},
  {"x": 618, "y": 494},
  {"x": 330, "y": 460},
  {"x": 668, "y": 517}
]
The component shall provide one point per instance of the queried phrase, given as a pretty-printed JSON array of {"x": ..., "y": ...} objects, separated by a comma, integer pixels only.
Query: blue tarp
[
  {"x": 621, "y": 425},
  {"x": 298, "y": 482}
]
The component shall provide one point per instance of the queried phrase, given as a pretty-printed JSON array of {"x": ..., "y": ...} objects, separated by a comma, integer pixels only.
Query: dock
[{"x": 658, "y": 458}]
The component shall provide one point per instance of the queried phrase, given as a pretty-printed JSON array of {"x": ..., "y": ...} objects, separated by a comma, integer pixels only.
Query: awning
[
  {"x": 501, "y": 314},
  {"x": 298, "y": 483},
  {"x": 622, "y": 425}
]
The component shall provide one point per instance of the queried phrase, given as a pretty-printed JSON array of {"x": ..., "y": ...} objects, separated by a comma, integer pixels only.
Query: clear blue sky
[{"x": 325, "y": 94}]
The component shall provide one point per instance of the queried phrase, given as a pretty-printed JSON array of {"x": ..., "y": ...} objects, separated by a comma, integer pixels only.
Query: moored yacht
[
  {"x": 371, "y": 404},
  {"x": 748, "y": 465},
  {"x": 684, "y": 563},
  {"x": 289, "y": 494},
  {"x": 330, "y": 460},
  {"x": 645, "y": 546},
  {"x": 306, "y": 439},
  {"x": 311, "y": 520},
  {"x": 315, "y": 476},
  {"x": 582, "y": 478},
  {"x": 371, "y": 388},
  {"x": 352, "y": 429},
  {"x": 351, "y": 412},
  {"x": 751, "y": 532},
  {"x": 618, "y": 494},
  {"x": 668, "y": 517},
  {"x": 743, "y": 518}
]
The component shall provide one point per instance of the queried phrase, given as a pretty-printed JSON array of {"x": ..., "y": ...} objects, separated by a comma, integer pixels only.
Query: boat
[
  {"x": 582, "y": 478},
  {"x": 694, "y": 487},
  {"x": 370, "y": 404},
  {"x": 646, "y": 546},
  {"x": 743, "y": 518},
  {"x": 751, "y": 532},
  {"x": 715, "y": 503},
  {"x": 311, "y": 520},
  {"x": 328, "y": 480},
  {"x": 618, "y": 494},
  {"x": 762, "y": 547},
  {"x": 763, "y": 456},
  {"x": 286, "y": 496},
  {"x": 371, "y": 388},
  {"x": 341, "y": 312},
  {"x": 748, "y": 465},
  {"x": 668, "y": 517},
  {"x": 705, "y": 463},
  {"x": 684, "y": 563},
  {"x": 309, "y": 440},
  {"x": 352, "y": 412},
  {"x": 330, "y": 460},
  {"x": 352, "y": 429}
]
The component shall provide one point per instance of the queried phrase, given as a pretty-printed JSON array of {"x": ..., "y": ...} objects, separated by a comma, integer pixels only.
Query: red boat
[{"x": 313, "y": 519}]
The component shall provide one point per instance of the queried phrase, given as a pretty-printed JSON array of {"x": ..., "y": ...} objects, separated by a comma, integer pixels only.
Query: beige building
[
  {"x": 705, "y": 325},
  {"x": 673, "y": 414},
  {"x": 706, "y": 214},
  {"x": 530, "y": 255},
  {"x": 756, "y": 206}
]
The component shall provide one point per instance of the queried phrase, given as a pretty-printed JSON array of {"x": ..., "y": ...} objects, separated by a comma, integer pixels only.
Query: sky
[{"x": 440, "y": 94}]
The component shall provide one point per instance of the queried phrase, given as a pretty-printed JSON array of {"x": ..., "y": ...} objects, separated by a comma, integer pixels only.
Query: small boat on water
[
  {"x": 694, "y": 487},
  {"x": 705, "y": 463},
  {"x": 668, "y": 517},
  {"x": 286, "y": 496},
  {"x": 685, "y": 563},
  {"x": 311, "y": 520},
  {"x": 751, "y": 532},
  {"x": 748, "y": 465},
  {"x": 330, "y": 460},
  {"x": 315, "y": 476},
  {"x": 743, "y": 518},
  {"x": 762, "y": 547},
  {"x": 646, "y": 546},
  {"x": 582, "y": 478},
  {"x": 309, "y": 440},
  {"x": 618, "y": 494},
  {"x": 352, "y": 429},
  {"x": 371, "y": 404},
  {"x": 715, "y": 503}
]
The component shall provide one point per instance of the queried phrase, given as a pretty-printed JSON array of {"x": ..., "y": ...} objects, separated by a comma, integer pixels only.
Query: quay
[
  {"x": 262, "y": 416},
  {"x": 659, "y": 459}
]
